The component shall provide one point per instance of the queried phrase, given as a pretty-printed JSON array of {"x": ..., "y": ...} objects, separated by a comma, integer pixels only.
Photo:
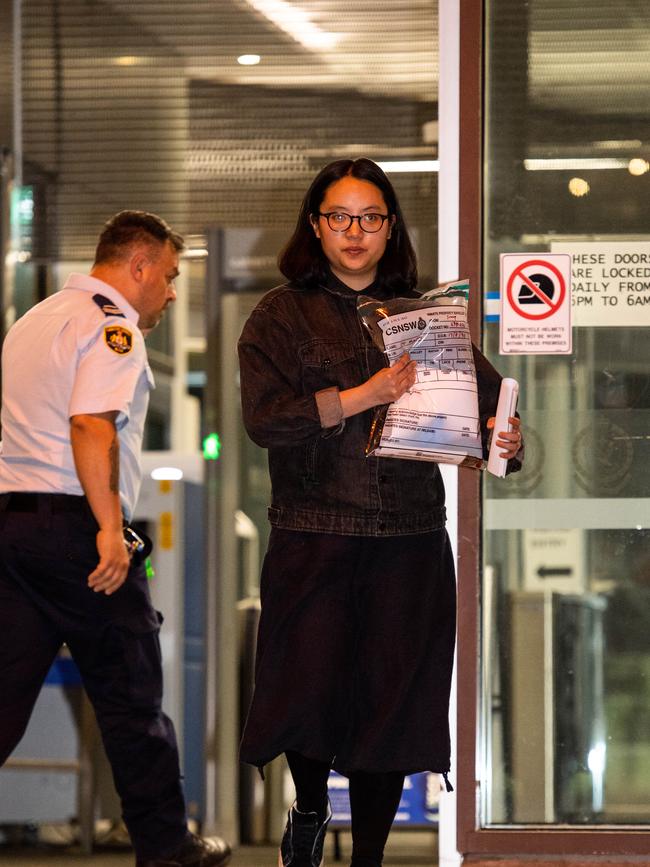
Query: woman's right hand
[
  {"x": 392, "y": 382},
  {"x": 387, "y": 385}
]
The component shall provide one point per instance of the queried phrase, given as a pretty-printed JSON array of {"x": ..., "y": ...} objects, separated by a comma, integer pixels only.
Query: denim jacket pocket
[{"x": 327, "y": 363}]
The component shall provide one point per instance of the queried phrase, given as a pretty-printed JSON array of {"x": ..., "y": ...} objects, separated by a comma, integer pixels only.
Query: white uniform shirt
[{"x": 70, "y": 356}]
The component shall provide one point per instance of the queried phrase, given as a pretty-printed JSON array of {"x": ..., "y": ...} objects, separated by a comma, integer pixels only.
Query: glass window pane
[{"x": 565, "y": 614}]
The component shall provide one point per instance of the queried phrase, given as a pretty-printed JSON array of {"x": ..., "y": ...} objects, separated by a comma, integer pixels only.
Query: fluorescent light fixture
[
  {"x": 167, "y": 474},
  {"x": 248, "y": 59},
  {"x": 617, "y": 144},
  {"x": 410, "y": 165},
  {"x": 295, "y": 21},
  {"x": 573, "y": 164}
]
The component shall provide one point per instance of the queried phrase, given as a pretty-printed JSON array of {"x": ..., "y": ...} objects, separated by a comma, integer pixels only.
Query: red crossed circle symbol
[{"x": 551, "y": 307}]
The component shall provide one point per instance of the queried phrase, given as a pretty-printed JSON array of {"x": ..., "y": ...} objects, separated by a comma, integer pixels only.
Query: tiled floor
[{"x": 404, "y": 848}]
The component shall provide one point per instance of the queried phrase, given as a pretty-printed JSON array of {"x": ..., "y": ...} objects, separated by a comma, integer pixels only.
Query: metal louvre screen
[{"x": 145, "y": 106}]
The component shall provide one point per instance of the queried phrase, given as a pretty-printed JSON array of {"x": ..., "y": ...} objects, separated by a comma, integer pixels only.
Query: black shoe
[
  {"x": 302, "y": 843},
  {"x": 195, "y": 852}
]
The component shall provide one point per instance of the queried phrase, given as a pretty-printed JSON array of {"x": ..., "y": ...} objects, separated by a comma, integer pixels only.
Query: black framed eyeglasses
[{"x": 338, "y": 221}]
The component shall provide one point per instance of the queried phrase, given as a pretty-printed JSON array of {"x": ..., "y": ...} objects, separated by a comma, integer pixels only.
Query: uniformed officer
[{"x": 75, "y": 389}]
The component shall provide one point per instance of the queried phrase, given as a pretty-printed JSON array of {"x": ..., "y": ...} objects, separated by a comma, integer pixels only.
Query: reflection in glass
[{"x": 567, "y": 676}]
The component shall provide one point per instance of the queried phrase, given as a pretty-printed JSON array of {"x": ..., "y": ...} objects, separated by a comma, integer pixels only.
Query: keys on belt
[{"x": 138, "y": 546}]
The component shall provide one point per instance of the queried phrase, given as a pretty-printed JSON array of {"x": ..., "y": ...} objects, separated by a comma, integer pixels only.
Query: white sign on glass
[
  {"x": 535, "y": 304},
  {"x": 611, "y": 282}
]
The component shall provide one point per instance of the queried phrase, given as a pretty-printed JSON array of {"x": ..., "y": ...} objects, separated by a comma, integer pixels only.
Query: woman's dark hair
[{"x": 302, "y": 260}]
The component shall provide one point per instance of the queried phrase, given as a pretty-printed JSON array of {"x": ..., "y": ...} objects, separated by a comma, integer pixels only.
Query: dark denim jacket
[{"x": 297, "y": 350}]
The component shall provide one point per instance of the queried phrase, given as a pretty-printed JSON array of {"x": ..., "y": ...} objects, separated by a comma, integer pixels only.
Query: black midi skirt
[{"x": 355, "y": 652}]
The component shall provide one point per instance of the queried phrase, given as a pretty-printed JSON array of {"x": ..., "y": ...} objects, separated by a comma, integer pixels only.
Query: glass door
[{"x": 565, "y": 707}]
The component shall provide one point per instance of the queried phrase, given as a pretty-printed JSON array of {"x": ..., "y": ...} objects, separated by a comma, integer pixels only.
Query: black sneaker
[
  {"x": 303, "y": 840},
  {"x": 195, "y": 852}
]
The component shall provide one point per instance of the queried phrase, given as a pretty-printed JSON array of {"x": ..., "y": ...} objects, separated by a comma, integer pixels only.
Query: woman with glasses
[{"x": 356, "y": 638}]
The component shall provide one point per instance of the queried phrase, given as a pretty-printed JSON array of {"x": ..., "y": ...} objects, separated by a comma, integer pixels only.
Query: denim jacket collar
[{"x": 336, "y": 286}]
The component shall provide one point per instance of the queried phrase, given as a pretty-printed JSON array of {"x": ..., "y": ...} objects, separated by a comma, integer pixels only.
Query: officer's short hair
[{"x": 128, "y": 228}]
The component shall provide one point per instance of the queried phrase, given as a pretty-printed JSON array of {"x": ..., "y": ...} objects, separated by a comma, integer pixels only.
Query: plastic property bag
[{"x": 438, "y": 419}]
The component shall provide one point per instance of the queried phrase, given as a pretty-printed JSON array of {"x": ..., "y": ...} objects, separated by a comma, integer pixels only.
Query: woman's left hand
[{"x": 510, "y": 441}]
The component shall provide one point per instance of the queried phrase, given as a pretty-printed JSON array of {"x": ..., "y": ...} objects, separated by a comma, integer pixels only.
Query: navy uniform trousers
[{"x": 47, "y": 551}]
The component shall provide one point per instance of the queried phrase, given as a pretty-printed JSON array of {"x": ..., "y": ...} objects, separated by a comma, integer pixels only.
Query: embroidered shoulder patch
[{"x": 118, "y": 339}]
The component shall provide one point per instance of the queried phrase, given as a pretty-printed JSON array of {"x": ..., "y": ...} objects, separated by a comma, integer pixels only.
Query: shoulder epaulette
[{"x": 107, "y": 307}]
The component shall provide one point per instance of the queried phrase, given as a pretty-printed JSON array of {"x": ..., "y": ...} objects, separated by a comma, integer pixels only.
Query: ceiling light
[
  {"x": 295, "y": 21},
  {"x": 249, "y": 59},
  {"x": 127, "y": 60},
  {"x": 17, "y": 257},
  {"x": 410, "y": 165},
  {"x": 638, "y": 166},
  {"x": 430, "y": 132},
  {"x": 578, "y": 187},
  {"x": 162, "y": 474}
]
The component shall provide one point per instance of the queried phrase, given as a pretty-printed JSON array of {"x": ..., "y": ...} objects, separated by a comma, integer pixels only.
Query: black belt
[{"x": 21, "y": 501}]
